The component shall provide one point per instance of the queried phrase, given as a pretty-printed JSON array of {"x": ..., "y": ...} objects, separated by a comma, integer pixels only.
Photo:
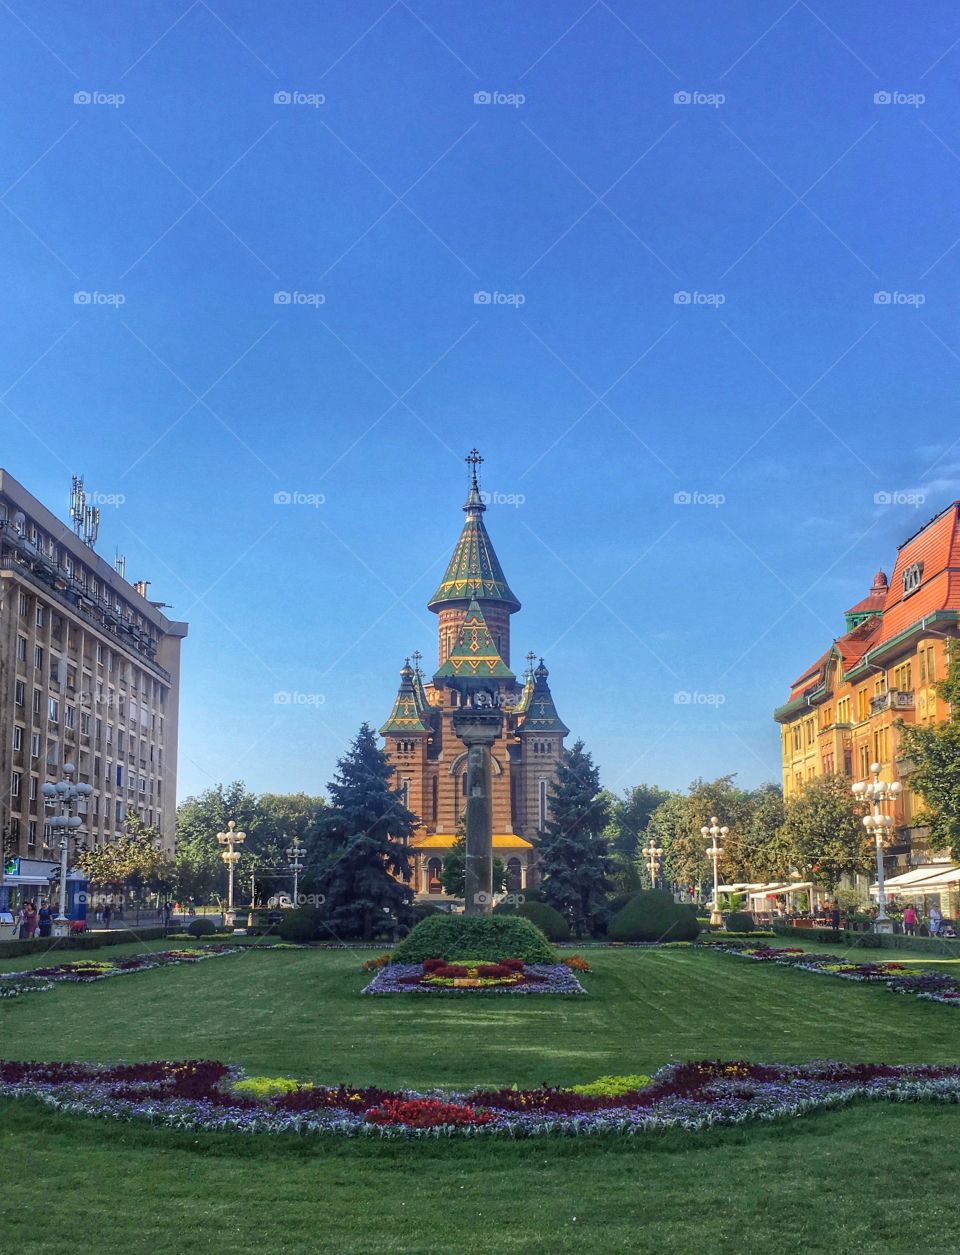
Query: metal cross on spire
[
  {"x": 417, "y": 659},
  {"x": 474, "y": 461},
  {"x": 531, "y": 659}
]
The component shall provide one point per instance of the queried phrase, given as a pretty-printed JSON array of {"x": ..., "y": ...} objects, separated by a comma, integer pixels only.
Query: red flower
[{"x": 425, "y": 1113}]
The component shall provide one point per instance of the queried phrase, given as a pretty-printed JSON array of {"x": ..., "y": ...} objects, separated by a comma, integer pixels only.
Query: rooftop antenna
[
  {"x": 86, "y": 518},
  {"x": 120, "y": 565}
]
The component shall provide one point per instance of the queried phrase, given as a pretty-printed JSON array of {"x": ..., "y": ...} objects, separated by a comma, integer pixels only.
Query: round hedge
[
  {"x": 300, "y": 924},
  {"x": 487, "y": 937},
  {"x": 547, "y": 918},
  {"x": 739, "y": 922},
  {"x": 201, "y": 927},
  {"x": 653, "y": 916}
]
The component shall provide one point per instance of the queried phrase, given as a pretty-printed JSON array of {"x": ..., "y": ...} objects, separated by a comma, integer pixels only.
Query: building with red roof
[{"x": 843, "y": 711}]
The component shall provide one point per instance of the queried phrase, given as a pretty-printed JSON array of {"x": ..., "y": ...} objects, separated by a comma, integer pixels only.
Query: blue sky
[{"x": 686, "y": 214}]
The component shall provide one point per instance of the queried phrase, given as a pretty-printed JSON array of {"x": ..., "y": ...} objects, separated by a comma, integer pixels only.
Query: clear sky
[{"x": 685, "y": 211}]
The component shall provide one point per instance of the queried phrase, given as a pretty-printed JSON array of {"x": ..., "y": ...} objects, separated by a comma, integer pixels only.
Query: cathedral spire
[
  {"x": 475, "y": 655},
  {"x": 541, "y": 711},
  {"x": 474, "y": 571},
  {"x": 405, "y": 716}
]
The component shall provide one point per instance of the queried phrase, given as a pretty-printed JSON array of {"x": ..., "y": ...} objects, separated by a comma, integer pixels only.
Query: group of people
[
  {"x": 32, "y": 922},
  {"x": 935, "y": 924}
]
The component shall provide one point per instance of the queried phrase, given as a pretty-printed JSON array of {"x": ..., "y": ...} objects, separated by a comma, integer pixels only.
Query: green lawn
[{"x": 872, "y": 1178}]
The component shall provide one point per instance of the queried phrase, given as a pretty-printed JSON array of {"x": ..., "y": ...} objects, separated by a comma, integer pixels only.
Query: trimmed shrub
[
  {"x": 486, "y": 937},
  {"x": 739, "y": 922},
  {"x": 300, "y": 924},
  {"x": 653, "y": 916},
  {"x": 547, "y": 918},
  {"x": 201, "y": 927},
  {"x": 12, "y": 948}
]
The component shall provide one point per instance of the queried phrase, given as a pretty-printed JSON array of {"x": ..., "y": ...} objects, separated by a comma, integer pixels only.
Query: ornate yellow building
[
  {"x": 474, "y": 605},
  {"x": 842, "y": 711}
]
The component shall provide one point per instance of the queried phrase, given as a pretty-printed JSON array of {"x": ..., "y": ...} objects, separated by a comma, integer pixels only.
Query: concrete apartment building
[{"x": 89, "y": 674}]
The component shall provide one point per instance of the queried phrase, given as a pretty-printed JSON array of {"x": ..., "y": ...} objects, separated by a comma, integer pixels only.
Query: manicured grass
[
  {"x": 298, "y": 1013},
  {"x": 869, "y": 1179}
]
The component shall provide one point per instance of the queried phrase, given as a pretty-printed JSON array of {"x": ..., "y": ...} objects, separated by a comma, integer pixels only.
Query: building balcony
[{"x": 893, "y": 699}]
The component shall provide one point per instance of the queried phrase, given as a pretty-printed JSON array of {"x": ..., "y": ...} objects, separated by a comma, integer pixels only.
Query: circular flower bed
[{"x": 475, "y": 976}]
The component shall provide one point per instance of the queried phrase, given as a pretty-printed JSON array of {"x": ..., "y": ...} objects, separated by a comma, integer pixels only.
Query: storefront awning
[{"x": 921, "y": 879}]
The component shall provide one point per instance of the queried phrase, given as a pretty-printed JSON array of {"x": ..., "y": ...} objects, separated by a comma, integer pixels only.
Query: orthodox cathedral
[{"x": 474, "y": 605}]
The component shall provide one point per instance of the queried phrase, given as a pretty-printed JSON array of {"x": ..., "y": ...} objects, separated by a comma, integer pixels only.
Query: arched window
[
  {"x": 434, "y": 867},
  {"x": 435, "y": 797},
  {"x": 542, "y": 807},
  {"x": 514, "y": 875}
]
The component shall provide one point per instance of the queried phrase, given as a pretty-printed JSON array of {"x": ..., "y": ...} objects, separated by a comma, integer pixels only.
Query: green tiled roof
[
  {"x": 474, "y": 571},
  {"x": 474, "y": 655},
  {"x": 541, "y": 712},
  {"x": 405, "y": 716}
]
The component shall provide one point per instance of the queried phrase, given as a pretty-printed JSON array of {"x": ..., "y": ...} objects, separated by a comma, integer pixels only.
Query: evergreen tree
[
  {"x": 361, "y": 851},
  {"x": 575, "y": 863},
  {"x": 935, "y": 778}
]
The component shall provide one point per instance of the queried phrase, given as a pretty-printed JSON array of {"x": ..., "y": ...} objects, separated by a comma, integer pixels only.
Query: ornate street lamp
[
  {"x": 877, "y": 824},
  {"x": 653, "y": 854},
  {"x": 295, "y": 855},
  {"x": 714, "y": 830},
  {"x": 65, "y": 795},
  {"x": 231, "y": 857}
]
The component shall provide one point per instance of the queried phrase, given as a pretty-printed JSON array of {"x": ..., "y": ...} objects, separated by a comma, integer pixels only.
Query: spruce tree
[
  {"x": 575, "y": 863},
  {"x": 361, "y": 847}
]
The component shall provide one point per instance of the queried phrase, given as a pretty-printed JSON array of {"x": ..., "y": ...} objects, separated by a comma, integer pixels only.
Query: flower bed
[
  {"x": 692, "y": 1096},
  {"x": 932, "y": 986},
  {"x": 508, "y": 976},
  {"x": 84, "y": 971}
]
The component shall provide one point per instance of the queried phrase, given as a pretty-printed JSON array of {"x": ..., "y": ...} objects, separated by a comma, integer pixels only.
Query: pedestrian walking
[
  {"x": 44, "y": 920},
  {"x": 934, "y": 920},
  {"x": 835, "y": 917},
  {"x": 910, "y": 921},
  {"x": 28, "y": 921},
  {"x": 106, "y": 915}
]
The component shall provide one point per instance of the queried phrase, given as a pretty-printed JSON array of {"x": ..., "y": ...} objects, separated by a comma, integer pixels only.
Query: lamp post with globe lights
[
  {"x": 64, "y": 796},
  {"x": 878, "y": 825},
  {"x": 231, "y": 856},
  {"x": 715, "y": 851},
  {"x": 295, "y": 855},
  {"x": 653, "y": 854}
]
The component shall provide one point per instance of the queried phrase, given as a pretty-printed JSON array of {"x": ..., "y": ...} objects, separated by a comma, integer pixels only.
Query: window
[
  {"x": 880, "y": 745},
  {"x": 928, "y": 667},
  {"x": 903, "y": 677},
  {"x": 434, "y": 793},
  {"x": 34, "y": 783},
  {"x": 808, "y": 727},
  {"x": 32, "y": 832},
  {"x": 21, "y": 649},
  {"x": 826, "y": 717},
  {"x": 434, "y": 867},
  {"x": 24, "y": 605},
  {"x": 99, "y": 654},
  {"x": 404, "y": 791},
  {"x": 38, "y": 657},
  {"x": 37, "y": 701},
  {"x": 863, "y": 704},
  {"x": 880, "y": 684},
  {"x": 53, "y": 710},
  {"x": 912, "y": 577},
  {"x": 17, "y": 739},
  {"x": 18, "y": 693},
  {"x": 15, "y": 782},
  {"x": 119, "y": 775},
  {"x": 796, "y": 736},
  {"x": 798, "y": 782},
  {"x": 843, "y": 710},
  {"x": 863, "y": 757},
  {"x": 69, "y": 715},
  {"x": 35, "y": 745},
  {"x": 39, "y": 616},
  {"x": 541, "y": 804}
]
